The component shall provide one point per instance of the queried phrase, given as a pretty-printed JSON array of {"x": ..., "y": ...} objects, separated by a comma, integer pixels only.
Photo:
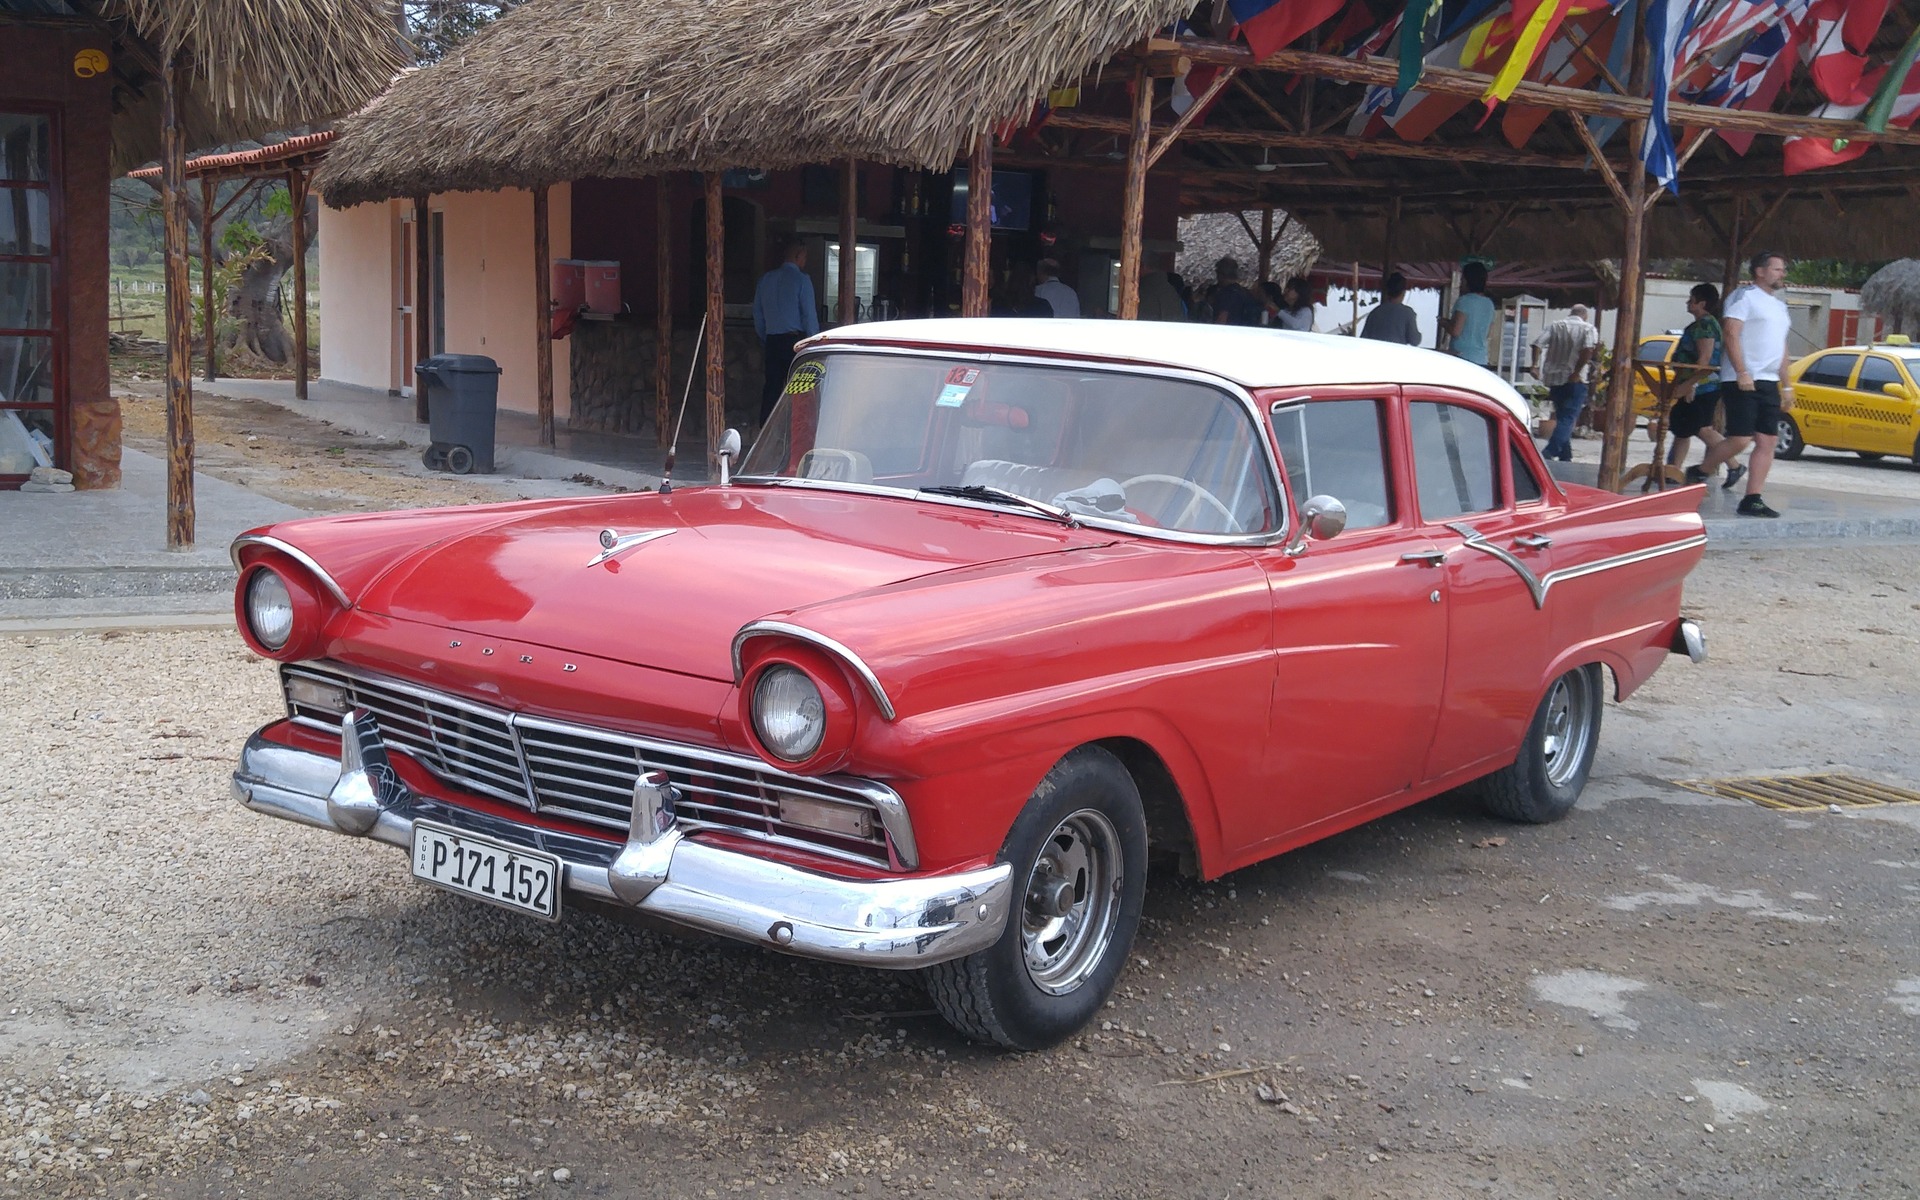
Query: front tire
[
  {"x": 1544, "y": 781},
  {"x": 1079, "y": 856},
  {"x": 1787, "y": 440}
]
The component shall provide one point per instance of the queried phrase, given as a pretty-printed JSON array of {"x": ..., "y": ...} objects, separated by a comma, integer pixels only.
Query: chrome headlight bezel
[
  {"x": 789, "y": 713},
  {"x": 270, "y": 609}
]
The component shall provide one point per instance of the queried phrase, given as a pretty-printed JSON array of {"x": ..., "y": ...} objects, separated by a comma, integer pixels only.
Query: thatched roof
[
  {"x": 255, "y": 65},
  {"x": 1893, "y": 292},
  {"x": 570, "y": 89},
  {"x": 1207, "y": 238}
]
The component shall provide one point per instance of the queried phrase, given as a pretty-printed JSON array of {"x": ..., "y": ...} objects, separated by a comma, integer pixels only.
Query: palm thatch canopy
[
  {"x": 1893, "y": 292},
  {"x": 253, "y": 65},
  {"x": 572, "y": 89}
]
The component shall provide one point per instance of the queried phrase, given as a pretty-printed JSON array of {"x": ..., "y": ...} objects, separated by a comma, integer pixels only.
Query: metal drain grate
[{"x": 1804, "y": 791}]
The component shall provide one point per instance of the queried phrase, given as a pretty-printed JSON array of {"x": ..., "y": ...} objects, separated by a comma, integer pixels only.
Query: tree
[
  {"x": 437, "y": 26},
  {"x": 1893, "y": 292}
]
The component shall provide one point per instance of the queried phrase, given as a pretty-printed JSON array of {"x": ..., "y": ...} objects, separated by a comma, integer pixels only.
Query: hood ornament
[{"x": 614, "y": 544}]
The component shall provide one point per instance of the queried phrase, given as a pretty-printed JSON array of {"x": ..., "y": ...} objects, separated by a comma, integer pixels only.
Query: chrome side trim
[
  {"x": 1621, "y": 560},
  {"x": 296, "y": 554},
  {"x": 754, "y": 629},
  {"x": 1478, "y": 541},
  {"x": 900, "y": 923}
]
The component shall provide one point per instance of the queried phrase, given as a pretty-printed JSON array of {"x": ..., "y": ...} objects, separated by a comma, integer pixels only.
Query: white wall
[{"x": 357, "y": 317}]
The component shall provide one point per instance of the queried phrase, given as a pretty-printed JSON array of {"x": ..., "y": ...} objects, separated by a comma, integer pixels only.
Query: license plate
[{"x": 511, "y": 876}]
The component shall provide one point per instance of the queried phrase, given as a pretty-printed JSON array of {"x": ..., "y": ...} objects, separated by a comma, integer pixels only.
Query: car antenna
[{"x": 673, "y": 447}]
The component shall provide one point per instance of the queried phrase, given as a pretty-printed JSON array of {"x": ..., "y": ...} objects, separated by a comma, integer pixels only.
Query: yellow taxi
[
  {"x": 1858, "y": 398},
  {"x": 1660, "y": 346}
]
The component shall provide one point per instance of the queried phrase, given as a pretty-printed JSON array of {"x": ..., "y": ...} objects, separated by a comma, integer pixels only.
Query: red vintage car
[{"x": 992, "y": 610}]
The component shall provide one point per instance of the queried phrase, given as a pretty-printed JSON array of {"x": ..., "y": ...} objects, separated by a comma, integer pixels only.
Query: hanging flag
[
  {"x": 1738, "y": 73},
  {"x": 1837, "y": 52},
  {"x": 1895, "y": 104},
  {"x": 1727, "y": 24},
  {"x": 1899, "y": 82},
  {"x": 1668, "y": 22},
  {"x": 1534, "y": 35},
  {"x": 1413, "y": 43},
  {"x": 1563, "y": 66},
  {"x": 1268, "y": 25},
  {"x": 1602, "y": 129}
]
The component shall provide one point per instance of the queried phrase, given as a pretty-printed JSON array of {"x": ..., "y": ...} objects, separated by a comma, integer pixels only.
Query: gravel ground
[{"x": 1664, "y": 995}]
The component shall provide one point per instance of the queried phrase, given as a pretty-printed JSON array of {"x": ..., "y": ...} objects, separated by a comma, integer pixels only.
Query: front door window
[{"x": 29, "y": 390}]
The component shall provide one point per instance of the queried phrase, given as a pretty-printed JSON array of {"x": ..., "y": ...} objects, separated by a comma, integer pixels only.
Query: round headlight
[
  {"x": 269, "y": 609},
  {"x": 789, "y": 713}
]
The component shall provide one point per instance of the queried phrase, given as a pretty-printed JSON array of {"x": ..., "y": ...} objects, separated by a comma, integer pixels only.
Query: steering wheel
[{"x": 1193, "y": 489}]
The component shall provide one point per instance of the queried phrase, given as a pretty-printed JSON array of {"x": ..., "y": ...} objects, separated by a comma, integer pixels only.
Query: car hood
[{"x": 721, "y": 557}]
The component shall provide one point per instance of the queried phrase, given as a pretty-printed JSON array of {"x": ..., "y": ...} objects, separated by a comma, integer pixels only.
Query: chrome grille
[{"x": 586, "y": 774}]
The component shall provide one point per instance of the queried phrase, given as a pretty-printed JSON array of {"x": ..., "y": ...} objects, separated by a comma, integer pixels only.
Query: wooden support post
[
  {"x": 210, "y": 354},
  {"x": 976, "y": 281},
  {"x": 716, "y": 318},
  {"x": 1730, "y": 278},
  {"x": 543, "y": 315},
  {"x": 1266, "y": 243},
  {"x": 662, "y": 310},
  {"x": 173, "y": 182},
  {"x": 422, "y": 304},
  {"x": 1356, "y": 298},
  {"x": 849, "y": 299},
  {"x": 1134, "y": 204},
  {"x": 1387, "y": 248},
  {"x": 1618, "y": 427},
  {"x": 297, "y": 193}
]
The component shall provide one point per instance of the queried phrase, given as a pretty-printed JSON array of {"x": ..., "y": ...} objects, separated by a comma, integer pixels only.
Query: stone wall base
[
  {"x": 94, "y": 454},
  {"x": 611, "y": 367}
]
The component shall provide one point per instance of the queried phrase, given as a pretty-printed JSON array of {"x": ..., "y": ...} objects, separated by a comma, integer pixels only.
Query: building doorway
[{"x": 32, "y": 295}]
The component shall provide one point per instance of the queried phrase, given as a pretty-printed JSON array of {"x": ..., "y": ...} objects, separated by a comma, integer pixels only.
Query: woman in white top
[{"x": 1295, "y": 307}]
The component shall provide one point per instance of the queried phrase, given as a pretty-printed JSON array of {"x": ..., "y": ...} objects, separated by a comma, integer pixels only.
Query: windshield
[{"x": 1149, "y": 451}]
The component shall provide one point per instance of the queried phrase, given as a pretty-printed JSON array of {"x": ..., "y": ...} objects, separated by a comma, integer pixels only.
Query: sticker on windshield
[
  {"x": 960, "y": 381},
  {"x": 806, "y": 378}
]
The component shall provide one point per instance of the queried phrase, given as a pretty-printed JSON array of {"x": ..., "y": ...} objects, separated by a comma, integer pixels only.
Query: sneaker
[
  {"x": 1696, "y": 475},
  {"x": 1735, "y": 473},
  {"x": 1754, "y": 506}
]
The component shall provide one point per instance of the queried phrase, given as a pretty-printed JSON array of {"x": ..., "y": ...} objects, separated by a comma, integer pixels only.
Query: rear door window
[
  {"x": 1453, "y": 460},
  {"x": 1830, "y": 370}
]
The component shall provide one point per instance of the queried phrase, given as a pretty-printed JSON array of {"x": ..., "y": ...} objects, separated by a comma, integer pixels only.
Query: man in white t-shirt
[
  {"x": 1063, "y": 299},
  {"x": 1755, "y": 321}
]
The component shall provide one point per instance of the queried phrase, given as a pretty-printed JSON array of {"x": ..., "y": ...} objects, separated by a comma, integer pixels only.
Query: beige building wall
[{"x": 489, "y": 287}]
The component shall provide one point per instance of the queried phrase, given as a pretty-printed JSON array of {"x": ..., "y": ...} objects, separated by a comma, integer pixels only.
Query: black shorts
[
  {"x": 1689, "y": 417},
  {"x": 1754, "y": 412}
]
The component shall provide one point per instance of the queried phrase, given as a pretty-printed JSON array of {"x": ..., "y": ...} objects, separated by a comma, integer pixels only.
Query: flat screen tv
[{"x": 1012, "y": 199}]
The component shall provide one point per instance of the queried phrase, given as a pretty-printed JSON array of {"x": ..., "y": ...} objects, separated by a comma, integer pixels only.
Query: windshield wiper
[{"x": 994, "y": 495}]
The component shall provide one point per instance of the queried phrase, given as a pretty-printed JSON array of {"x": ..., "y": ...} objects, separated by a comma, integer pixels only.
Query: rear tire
[
  {"x": 1869, "y": 456},
  {"x": 1557, "y": 754},
  {"x": 1914, "y": 462},
  {"x": 1787, "y": 441},
  {"x": 1079, "y": 856}
]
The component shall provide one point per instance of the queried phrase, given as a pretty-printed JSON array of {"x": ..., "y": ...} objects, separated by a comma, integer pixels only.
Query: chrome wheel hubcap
[
  {"x": 1567, "y": 730},
  {"x": 1072, "y": 902}
]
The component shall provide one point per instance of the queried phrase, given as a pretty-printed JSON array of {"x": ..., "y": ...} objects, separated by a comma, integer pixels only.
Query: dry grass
[{"x": 570, "y": 89}]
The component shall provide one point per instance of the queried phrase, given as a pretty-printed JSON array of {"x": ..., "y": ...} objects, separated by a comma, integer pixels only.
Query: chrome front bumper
[{"x": 661, "y": 872}]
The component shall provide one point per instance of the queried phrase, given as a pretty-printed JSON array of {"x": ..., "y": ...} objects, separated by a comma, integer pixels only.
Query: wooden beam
[
  {"x": 1450, "y": 82},
  {"x": 297, "y": 193},
  {"x": 1188, "y": 117},
  {"x": 1600, "y": 162},
  {"x": 1730, "y": 277},
  {"x": 662, "y": 309},
  {"x": 1273, "y": 114},
  {"x": 173, "y": 210},
  {"x": 543, "y": 314},
  {"x": 977, "y": 269},
  {"x": 716, "y": 317},
  {"x": 1134, "y": 201},
  {"x": 1339, "y": 143},
  {"x": 1265, "y": 242},
  {"x": 849, "y": 298},
  {"x": 210, "y": 352},
  {"x": 422, "y": 302}
]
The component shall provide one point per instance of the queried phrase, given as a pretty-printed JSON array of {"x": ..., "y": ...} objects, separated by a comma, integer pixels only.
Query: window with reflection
[
  {"x": 1148, "y": 451},
  {"x": 1337, "y": 448},
  {"x": 1453, "y": 460},
  {"x": 1526, "y": 485}
]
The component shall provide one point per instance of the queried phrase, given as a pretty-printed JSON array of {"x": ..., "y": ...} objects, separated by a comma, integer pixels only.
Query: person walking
[
  {"x": 1472, "y": 316},
  {"x": 1393, "y": 319},
  {"x": 784, "y": 311},
  {"x": 1755, "y": 323},
  {"x": 1570, "y": 344},
  {"x": 1064, "y": 301},
  {"x": 1702, "y": 343}
]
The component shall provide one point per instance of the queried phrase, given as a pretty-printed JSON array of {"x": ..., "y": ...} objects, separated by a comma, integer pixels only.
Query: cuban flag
[
  {"x": 1268, "y": 25},
  {"x": 1668, "y": 23}
]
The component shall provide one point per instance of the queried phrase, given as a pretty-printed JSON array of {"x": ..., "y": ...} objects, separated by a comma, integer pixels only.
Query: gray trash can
[{"x": 463, "y": 397}]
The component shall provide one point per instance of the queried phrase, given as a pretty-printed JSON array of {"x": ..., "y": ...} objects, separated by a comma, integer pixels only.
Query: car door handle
[
  {"x": 1533, "y": 541},
  {"x": 1428, "y": 558}
]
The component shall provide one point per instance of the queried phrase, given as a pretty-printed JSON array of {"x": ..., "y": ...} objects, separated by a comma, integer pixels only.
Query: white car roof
[{"x": 1252, "y": 358}]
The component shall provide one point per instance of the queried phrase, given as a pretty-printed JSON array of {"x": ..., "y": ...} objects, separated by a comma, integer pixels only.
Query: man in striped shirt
[{"x": 1570, "y": 344}]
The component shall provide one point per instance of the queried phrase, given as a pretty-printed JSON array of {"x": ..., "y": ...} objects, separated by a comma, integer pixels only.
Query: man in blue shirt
[{"x": 783, "y": 312}]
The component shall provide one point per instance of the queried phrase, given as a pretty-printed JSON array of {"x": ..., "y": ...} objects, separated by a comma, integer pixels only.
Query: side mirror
[
  {"x": 1322, "y": 518},
  {"x": 1899, "y": 391},
  {"x": 728, "y": 451}
]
